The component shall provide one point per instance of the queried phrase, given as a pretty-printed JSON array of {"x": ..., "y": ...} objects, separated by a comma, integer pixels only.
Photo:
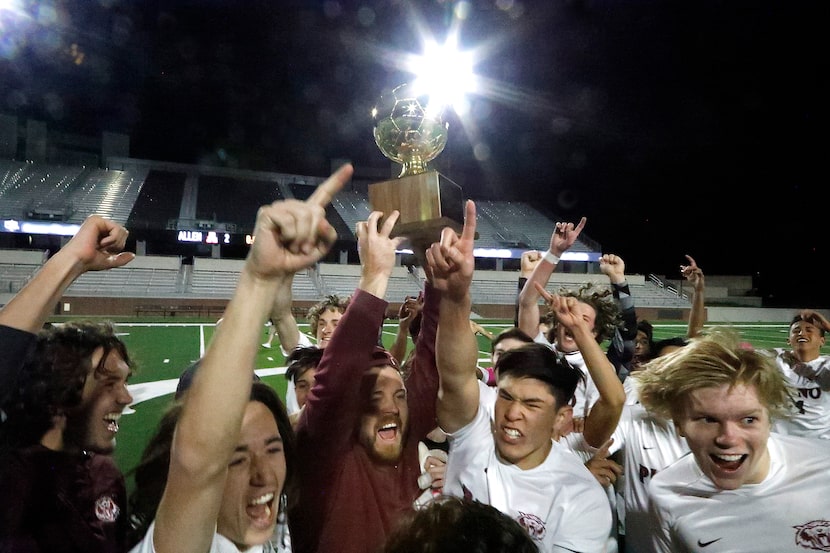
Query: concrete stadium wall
[{"x": 754, "y": 314}]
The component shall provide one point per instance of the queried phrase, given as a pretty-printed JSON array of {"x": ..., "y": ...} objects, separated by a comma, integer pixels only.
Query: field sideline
[{"x": 161, "y": 350}]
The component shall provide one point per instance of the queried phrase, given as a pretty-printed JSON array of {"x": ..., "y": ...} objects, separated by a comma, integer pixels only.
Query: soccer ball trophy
[{"x": 411, "y": 132}]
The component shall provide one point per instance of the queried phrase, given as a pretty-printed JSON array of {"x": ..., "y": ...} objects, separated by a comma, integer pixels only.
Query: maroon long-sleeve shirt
[{"x": 348, "y": 502}]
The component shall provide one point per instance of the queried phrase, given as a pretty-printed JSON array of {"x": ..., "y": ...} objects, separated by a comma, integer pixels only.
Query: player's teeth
[
  {"x": 730, "y": 458},
  {"x": 263, "y": 499}
]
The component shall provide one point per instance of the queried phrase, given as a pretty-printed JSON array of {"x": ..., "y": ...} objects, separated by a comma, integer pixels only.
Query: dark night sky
[{"x": 675, "y": 127}]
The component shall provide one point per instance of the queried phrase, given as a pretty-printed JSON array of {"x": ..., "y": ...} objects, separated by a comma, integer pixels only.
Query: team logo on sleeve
[
  {"x": 532, "y": 524},
  {"x": 814, "y": 535},
  {"x": 106, "y": 509}
]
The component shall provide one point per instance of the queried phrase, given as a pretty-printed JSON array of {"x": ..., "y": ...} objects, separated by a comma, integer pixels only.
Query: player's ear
[{"x": 563, "y": 422}]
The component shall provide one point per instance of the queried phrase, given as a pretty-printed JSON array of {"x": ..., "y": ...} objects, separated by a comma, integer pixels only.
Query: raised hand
[
  {"x": 98, "y": 245},
  {"x": 290, "y": 234},
  {"x": 693, "y": 273},
  {"x": 613, "y": 267},
  {"x": 410, "y": 308},
  {"x": 530, "y": 259},
  {"x": 564, "y": 235},
  {"x": 605, "y": 470},
  {"x": 377, "y": 251},
  {"x": 564, "y": 308},
  {"x": 451, "y": 261}
]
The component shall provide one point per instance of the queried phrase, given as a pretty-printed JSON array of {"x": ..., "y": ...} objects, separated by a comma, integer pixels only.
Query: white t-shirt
[
  {"x": 788, "y": 512},
  {"x": 220, "y": 544},
  {"x": 630, "y": 386},
  {"x": 559, "y": 503},
  {"x": 648, "y": 445},
  {"x": 811, "y": 415}
]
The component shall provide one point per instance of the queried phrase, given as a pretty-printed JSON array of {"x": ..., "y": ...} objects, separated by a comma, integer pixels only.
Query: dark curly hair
[
  {"x": 333, "y": 302},
  {"x": 608, "y": 317},
  {"x": 53, "y": 376}
]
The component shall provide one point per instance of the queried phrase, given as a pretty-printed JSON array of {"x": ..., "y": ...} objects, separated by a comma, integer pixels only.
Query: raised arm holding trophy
[{"x": 411, "y": 131}]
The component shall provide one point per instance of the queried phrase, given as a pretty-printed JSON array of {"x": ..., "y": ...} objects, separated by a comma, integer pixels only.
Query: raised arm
[
  {"x": 377, "y": 252},
  {"x": 289, "y": 235},
  {"x": 96, "y": 246},
  {"x": 605, "y": 413},
  {"x": 451, "y": 264},
  {"x": 563, "y": 237},
  {"x": 529, "y": 260},
  {"x": 697, "y": 316},
  {"x": 621, "y": 349},
  {"x": 407, "y": 313},
  {"x": 285, "y": 325}
]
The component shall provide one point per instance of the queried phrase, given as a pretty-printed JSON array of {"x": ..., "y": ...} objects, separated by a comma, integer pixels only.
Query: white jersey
[
  {"x": 559, "y": 503},
  {"x": 487, "y": 396},
  {"x": 811, "y": 416},
  {"x": 220, "y": 544},
  {"x": 291, "y": 404},
  {"x": 788, "y": 512},
  {"x": 648, "y": 444},
  {"x": 586, "y": 393},
  {"x": 576, "y": 444},
  {"x": 630, "y": 386}
]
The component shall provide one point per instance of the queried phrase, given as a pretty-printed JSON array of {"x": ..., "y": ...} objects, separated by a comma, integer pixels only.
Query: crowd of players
[{"x": 585, "y": 435}]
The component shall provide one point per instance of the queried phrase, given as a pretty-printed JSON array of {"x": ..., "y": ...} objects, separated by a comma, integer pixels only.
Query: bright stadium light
[{"x": 444, "y": 73}]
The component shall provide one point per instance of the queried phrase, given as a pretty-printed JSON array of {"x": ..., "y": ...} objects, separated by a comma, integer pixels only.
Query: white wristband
[{"x": 550, "y": 258}]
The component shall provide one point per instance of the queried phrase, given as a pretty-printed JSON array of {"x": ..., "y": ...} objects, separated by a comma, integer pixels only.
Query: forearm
[
  {"x": 529, "y": 297},
  {"x": 697, "y": 315},
  {"x": 212, "y": 417},
  {"x": 375, "y": 283},
  {"x": 284, "y": 322},
  {"x": 456, "y": 352},
  {"x": 522, "y": 282},
  {"x": 398, "y": 349},
  {"x": 29, "y": 308},
  {"x": 605, "y": 413}
]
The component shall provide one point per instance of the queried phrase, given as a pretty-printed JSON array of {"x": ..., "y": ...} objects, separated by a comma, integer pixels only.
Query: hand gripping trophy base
[{"x": 427, "y": 202}]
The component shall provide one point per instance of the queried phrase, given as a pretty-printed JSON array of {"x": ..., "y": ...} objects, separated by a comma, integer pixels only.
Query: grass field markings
[
  {"x": 201, "y": 340},
  {"x": 146, "y": 391},
  {"x": 270, "y": 372}
]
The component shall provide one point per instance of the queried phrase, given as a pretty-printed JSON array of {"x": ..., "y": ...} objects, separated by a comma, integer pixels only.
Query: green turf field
[{"x": 162, "y": 350}]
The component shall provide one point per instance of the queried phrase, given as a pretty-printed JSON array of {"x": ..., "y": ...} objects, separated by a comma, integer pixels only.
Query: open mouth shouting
[
  {"x": 261, "y": 510},
  {"x": 728, "y": 463},
  {"x": 111, "y": 419},
  {"x": 388, "y": 432}
]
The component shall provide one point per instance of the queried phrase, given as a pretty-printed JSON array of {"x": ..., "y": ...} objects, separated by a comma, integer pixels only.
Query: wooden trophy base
[{"x": 427, "y": 202}]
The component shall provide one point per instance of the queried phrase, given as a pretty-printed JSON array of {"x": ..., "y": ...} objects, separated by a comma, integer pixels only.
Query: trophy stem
[{"x": 415, "y": 165}]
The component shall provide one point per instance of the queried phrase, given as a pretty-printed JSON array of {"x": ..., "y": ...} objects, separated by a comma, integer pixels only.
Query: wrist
[{"x": 551, "y": 258}]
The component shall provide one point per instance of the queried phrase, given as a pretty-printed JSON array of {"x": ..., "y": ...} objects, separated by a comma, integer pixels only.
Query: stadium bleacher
[
  {"x": 145, "y": 196},
  {"x": 17, "y": 267},
  {"x": 145, "y": 276}
]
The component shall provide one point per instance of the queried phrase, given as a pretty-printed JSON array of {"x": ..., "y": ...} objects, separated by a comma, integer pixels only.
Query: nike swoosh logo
[{"x": 707, "y": 543}]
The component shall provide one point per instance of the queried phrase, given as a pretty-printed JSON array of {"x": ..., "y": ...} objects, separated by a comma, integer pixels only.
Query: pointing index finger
[
  {"x": 331, "y": 186},
  {"x": 469, "y": 230}
]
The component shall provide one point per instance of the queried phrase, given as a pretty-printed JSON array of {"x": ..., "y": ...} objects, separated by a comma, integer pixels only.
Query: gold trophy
[{"x": 411, "y": 132}]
